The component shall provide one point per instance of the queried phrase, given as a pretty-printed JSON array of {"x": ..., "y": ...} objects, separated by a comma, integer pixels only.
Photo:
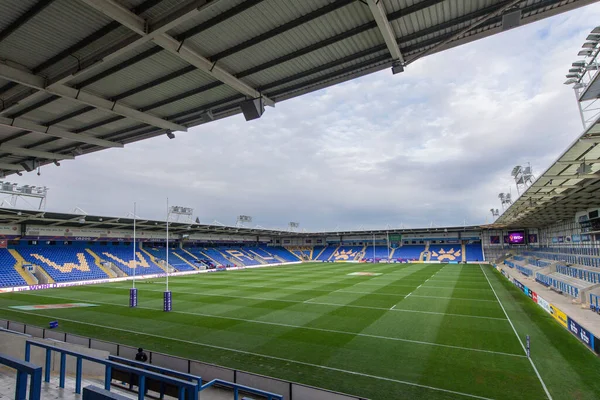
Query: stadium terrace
[{"x": 100, "y": 307}]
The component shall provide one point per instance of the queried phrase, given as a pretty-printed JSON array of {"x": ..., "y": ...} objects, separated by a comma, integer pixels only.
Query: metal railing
[
  {"x": 268, "y": 384},
  {"x": 25, "y": 369},
  {"x": 186, "y": 390}
]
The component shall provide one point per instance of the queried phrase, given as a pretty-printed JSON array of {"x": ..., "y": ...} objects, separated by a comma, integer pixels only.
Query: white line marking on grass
[
  {"x": 392, "y": 307},
  {"x": 454, "y": 298},
  {"x": 516, "y": 334},
  {"x": 309, "y": 301},
  {"x": 268, "y": 356},
  {"x": 308, "y": 328}
]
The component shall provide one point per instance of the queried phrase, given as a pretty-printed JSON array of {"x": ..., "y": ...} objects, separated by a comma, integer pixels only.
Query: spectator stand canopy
[
  {"x": 569, "y": 185},
  {"x": 78, "y": 76}
]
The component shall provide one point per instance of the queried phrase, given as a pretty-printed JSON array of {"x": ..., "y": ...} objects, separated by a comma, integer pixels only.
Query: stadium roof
[
  {"x": 78, "y": 76},
  {"x": 46, "y": 218},
  {"x": 569, "y": 185}
]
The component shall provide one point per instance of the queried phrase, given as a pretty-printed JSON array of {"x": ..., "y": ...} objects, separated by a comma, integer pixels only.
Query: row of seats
[
  {"x": 8, "y": 274},
  {"x": 64, "y": 264}
]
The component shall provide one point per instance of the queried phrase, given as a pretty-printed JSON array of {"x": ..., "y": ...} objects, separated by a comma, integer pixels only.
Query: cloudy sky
[{"x": 434, "y": 144}]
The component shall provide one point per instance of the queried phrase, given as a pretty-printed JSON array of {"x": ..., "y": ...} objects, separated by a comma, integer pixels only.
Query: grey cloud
[{"x": 435, "y": 143}]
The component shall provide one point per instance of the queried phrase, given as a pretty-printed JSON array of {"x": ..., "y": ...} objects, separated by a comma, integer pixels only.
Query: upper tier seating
[
  {"x": 8, "y": 275},
  {"x": 122, "y": 258},
  {"x": 63, "y": 263}
]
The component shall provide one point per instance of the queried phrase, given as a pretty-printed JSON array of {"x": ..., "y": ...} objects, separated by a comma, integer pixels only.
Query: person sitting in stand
[{"x": 141, "y": 356}]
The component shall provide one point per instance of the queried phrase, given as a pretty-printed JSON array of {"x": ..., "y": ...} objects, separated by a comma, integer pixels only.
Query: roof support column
[{"x": 376, "y": 7}]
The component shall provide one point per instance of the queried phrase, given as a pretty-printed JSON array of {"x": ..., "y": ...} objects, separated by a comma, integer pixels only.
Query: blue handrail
[
  {"x": 25, "y": 368},
  {"x": 187, "y": 390},
  {"x": 237, "y": 388}
]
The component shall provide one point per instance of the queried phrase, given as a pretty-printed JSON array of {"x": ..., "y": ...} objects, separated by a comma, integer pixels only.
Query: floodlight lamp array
[{"x": 590, "y": 50}]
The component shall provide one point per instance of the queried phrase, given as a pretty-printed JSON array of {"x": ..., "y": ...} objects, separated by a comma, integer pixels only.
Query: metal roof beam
[
  {"x": 174, "y": 46},
  {"x": 39, "y": 83},
  {"x": 11, "y": 167},
  {"x": 576, "y": 162},
  {"x": 20, "y": 151},
  {"x": 572, "y": 176},
  {"x": 386, "y": 30},
  {"x": 56, "y": 132}
]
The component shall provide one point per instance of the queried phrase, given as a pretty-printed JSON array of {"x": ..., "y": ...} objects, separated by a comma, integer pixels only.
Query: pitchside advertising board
[{"x": 583, "y": 334}]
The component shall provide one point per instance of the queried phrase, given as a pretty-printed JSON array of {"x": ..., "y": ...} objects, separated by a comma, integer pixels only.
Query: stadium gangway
[
  {"x": 24, "y": 369},
  {"x": 187, "y": 390},
  {"x": 237, "y": 388}
]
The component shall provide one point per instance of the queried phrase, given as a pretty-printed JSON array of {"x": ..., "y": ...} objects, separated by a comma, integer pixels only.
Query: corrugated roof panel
[
  {"x": 216, "y": 8},
  {"x": 336, "y": 51},
  {"x": 112, "y": 127},
  {"x": 10, "y": 12},
  {"x": 328, "y": 71},
  {"x": 310, "y": 33},
  {"x": 375, "y": 65},
  {"x": 257, "y": 20},
  {"x": 68, "y": 22},
  {"x": 198, "y": 100},
  {"x": 169, "y": 89},
  {"x": 149, "y": 69},
  {"x": 51, "y": 110}
]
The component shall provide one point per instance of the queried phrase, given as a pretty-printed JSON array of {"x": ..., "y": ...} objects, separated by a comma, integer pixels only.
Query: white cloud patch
[{"x": 433, "y": 144}]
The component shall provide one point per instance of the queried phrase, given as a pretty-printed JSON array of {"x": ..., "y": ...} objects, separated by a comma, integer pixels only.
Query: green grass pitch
[{"x": 416, "y": 331}]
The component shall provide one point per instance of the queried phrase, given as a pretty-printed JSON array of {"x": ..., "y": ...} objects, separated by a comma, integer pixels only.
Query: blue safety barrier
[
  {"x": 186, "y": 390},
  {"x": 25, "y": 369},
  {"x": 241, "y": 388},
  {"x": 193, "y": 378}
]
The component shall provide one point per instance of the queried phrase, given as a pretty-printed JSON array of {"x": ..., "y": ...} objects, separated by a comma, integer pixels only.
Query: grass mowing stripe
[
  {"x": 453, "y": 298},
  {"x": 517, "y": 335},
  {"x": 300, "y": 327},
  {"x": 265, "y": 356},
  {"x": 332, "y": 304}
]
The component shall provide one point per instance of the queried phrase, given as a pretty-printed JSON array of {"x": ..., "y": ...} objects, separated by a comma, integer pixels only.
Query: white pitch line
[
  {"x": 392, "y": 307},
  {"x": 268, "y": 356},
  {"x": 302, "y": 327},
  {"x": 517, "y": 335},
  {"x": 310, "y": 301}
]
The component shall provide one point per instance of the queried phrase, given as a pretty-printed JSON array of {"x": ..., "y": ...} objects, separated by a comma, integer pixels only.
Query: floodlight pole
[{"x": 133, "y": 290}]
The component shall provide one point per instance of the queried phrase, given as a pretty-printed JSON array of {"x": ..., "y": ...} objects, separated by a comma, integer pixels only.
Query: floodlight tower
[
  {"x": 523, "y": 177},
  {"x": 505, "y": 200},
  {"x": 242, "y": 220},
  {"x": 33, "y": 196},
  {"x": 583, "y": 74},
  {"x": 293, "y": 226},
  {"x": 181, "y": 214},
  {"x": 495, "y": 213}
]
